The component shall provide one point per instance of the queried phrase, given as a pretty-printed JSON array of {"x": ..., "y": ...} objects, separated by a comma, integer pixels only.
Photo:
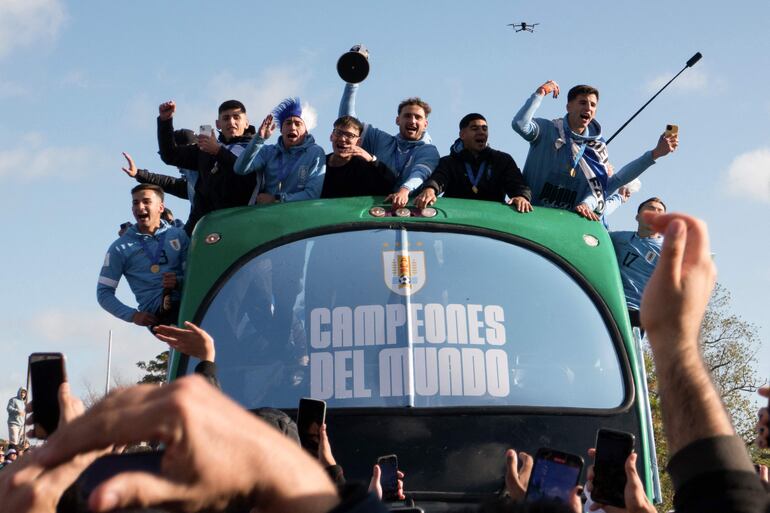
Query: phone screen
[
  {"x": 388, "y": 475},
  {"x": 612, "y": 450},
  {"x": 111, "y": 465},
  {"x": 310, "y": 416},
  {"x": 46, "y": 372},
  {"x": 554, "y": 475}
]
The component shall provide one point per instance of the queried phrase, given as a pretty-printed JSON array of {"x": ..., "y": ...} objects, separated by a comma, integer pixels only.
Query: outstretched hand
[
  {"x": 191, "y": 340},
  {"x": 666, "y": 144},
  {"x": 548, "y": 88},
  {"x": 267, "y": 127},
  {"x": 253, "y": 462},
  {"x": 166, "y": 110},
  {"x": 516, "y": 480},
  {"x": 583, "y": 211},
  {"x": 633, "y": 493},
  {"x": 674, "y": 301},
  {"x": 131, "y": 169},
  {"x": 521, "y": 204}
]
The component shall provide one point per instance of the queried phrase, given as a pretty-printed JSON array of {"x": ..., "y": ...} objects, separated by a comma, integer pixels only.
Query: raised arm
[
  {"x": 522, "y": 123},
  {"x": 252, "y": 158},
  {"x": 348, "y": 101},
  {"x": 170, "y": 153}
]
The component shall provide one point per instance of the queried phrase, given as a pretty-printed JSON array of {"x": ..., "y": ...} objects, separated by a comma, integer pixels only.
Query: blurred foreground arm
[{"x": 710, "y": 467}]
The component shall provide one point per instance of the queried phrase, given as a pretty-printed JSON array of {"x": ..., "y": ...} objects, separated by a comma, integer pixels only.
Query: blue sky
[{"x": 81, "y": 81}]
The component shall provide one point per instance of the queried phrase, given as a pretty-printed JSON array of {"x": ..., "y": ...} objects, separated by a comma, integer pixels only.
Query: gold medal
[
  {"x": 572, "y": 172},
  {"x": 475, "y": 189},
  {"x": 155, "y": 268}
]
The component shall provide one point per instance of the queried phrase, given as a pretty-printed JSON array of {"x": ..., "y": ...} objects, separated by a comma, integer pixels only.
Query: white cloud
[
  {"x": 29, "y": 159},
  {"x": 692, "y": 80},
  {"x": 259, "y": 94},
  {"x": 749, "y": 175},
  {"x": 12, "y": 90},
  {"x": 29, "y": 22}
]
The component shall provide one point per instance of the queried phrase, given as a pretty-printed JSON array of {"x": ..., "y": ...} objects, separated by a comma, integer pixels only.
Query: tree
[
  {"x": 155, "y": 369},
  {"x": 729, "y": 346}
]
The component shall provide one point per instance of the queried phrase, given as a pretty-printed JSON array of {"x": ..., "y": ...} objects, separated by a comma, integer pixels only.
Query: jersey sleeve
[{"x": 109, "y": 277}]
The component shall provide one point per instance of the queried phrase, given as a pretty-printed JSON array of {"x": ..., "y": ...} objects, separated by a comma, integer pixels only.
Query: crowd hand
[
  {"x": 265, "y": 198},
  {"x": 31, "y": 487},
  {"x": 625, "y": 194},
  {"x": 666, "y": 144},
  {"x": 426, "y": 198},
  {"x": 548, "y": 88},
  {"x": 675, "y": 299},
  {"x": 764, "y": 475},
  {"x": 325, "y": 456},
  {"x": 131, "y": 169},
  {"x": 190, "y": 340},
  {"x": 254, "y": 462},
  {"x": 166, "y": 110},
  {"x": 357, "y": 151},
  {"x": 521, "y": 204},
  {"x": 584, "y": 211},
  {"x": 399, "y": 199},
  {"x": 375, "y": 486},
  {"x": 208, "y": 143},
  {"x": 635, "y": 498},
  {"x": 266, "y": 128},
  {"x": 144, "y": 319},
  {"x": 763, "y": 424},
  {"x": 516, "y": 480},
  {"x": 169, "y": 280}
]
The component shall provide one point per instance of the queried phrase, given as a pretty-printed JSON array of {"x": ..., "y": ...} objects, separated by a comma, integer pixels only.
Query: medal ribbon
[
  {"x": 153, "y": 257},
  {"x": 477, "y": 178}
]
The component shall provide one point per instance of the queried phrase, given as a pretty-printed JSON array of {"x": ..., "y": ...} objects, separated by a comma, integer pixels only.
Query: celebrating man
[
  {"x": 409, "y": 154},
  {"x": 293, "y": 168},
  {"x": 151, "y": 254},
  {"x": 216, "y": 186},
  {"x": 638, "y": 254},
  {"x": 473, "y": 170},
  {"x": 566, "y": 165}
]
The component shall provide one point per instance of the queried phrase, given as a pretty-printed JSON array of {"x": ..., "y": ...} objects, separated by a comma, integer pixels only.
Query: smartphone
[
  {"x": 389, "y": 476},
  {"x": 47, "y": 373},
  {"x": 612, "y": 451},
  {"x": 111, "y": 465},
  {"x": 671, "y": 130},
  {"x": 204, "y": 130},
  {"x": 554, "y": 475},
  {"x": 310, "y": 416}
]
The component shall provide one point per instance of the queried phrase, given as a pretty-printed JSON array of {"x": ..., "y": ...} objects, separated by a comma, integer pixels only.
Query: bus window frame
[{"x": 626, "y": 371}]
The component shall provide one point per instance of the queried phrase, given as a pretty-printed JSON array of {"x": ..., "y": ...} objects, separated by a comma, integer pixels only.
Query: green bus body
[{"x": 223, "y": 239}]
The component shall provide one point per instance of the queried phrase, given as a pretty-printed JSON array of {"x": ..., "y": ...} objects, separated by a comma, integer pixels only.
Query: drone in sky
[{"x": 523, "y": 26}]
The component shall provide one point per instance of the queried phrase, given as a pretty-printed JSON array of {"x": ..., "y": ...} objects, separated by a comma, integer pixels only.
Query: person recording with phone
[
  {"x": 216, "y": 186},
  {"x": 151, "y": 254}
]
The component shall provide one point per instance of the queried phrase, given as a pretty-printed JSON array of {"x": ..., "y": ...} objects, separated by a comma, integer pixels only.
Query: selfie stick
[{"x": 695, "y": 58}]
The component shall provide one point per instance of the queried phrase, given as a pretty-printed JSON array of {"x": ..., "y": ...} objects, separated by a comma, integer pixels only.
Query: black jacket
[
  {"x": 357, "y": 178},
  {"x": 174, "y": 185},
  {"x": 217, "y": 186},
  {"x": 501, "y": 176}
]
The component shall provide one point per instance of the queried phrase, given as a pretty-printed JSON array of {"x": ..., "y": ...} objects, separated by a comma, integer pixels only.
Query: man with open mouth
[
  {"x": 473, "y": 170},
  {"x": 567, "y": 161},
  {"x": 409, "y": 154},
  {"x": 350, "y": 169},
  {"x": 293, "y": 168},
  {"x": 151, "y": 254}
]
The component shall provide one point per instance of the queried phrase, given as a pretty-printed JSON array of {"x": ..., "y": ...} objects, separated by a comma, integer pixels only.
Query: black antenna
[{"x": 690, "y": 63}]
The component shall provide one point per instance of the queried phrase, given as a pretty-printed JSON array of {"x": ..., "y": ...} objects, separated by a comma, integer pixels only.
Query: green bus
[{"x": 444, "y": 335}]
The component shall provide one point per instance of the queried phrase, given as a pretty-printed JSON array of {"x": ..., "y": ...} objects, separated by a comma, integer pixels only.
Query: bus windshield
[{"x": 406, "y": 318}]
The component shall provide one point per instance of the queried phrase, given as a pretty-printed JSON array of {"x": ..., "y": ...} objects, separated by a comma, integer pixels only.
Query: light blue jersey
[
  {"x": 637, "y": 257},
  {"x": 412, "y": 161},
  {"x": 127, "y": 257},
  {"x": 549, "y": 160},
  {"x": 292, "y": 174}
]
